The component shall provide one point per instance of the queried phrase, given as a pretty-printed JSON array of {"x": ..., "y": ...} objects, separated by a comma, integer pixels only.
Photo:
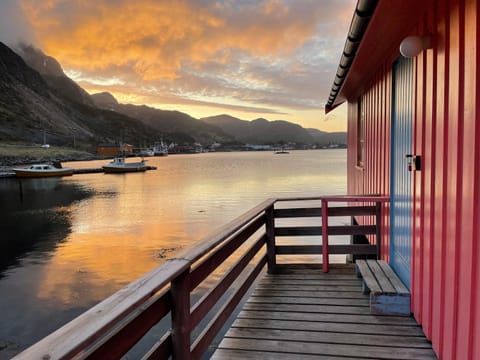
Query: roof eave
[
  {"x": 379, "y": 40},
  {"x": 360, "y": 20}
]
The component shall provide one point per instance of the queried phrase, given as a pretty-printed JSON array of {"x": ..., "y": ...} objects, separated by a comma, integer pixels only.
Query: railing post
[
  {"x": 324, "y": 235},
  {"x": 270, "y": 232},
  {"x": 181, "y": 316},
  {"x": 378, "y": 228}
]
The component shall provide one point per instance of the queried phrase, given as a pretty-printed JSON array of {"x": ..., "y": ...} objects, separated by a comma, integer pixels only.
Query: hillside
[
  {"x": 51, "y": 71},
  {"x": 30, "y": 108},
  {"x": 261, "y": 131},
  {"x": 176, "y": 124},
  {"x": 327, "y": 138},
  {"x": 37, "y": 99}
]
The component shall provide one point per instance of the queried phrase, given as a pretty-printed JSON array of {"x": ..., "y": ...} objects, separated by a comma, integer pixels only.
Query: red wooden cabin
[{"x": 426, "y": 107}]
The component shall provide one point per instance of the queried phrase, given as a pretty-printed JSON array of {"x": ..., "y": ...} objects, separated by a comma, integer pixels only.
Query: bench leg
[
  {"x": 357, "y": 272},
  {"x": 365, "y": 289}
]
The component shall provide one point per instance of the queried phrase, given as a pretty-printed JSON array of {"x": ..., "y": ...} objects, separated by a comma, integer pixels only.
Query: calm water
[{"x": 66, "y": 244}]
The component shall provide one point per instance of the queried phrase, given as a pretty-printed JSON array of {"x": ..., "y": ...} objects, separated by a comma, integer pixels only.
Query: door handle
[{"x": 414, "y": 162}]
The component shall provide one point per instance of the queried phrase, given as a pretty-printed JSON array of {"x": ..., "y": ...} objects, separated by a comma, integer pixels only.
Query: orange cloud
[
  {"x": 203, "y": 57},
  {"x": 153, "y": 38}
]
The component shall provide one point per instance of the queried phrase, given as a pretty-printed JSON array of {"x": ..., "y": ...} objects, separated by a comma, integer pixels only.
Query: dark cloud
[{"x": 14, "y": 26}]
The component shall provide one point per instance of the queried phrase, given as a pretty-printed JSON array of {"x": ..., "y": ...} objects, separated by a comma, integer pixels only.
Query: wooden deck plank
[
  {"x": 309, "y": 287},
  {"x": 308, "y": 293},
  {"x": 325, "y": 317},
  {"x": 308, "y": 308},
  {"x": 354, "y": 351},
  {"x": 308, "y": 300},
  {"x": 232, "y": 354},
  {"x": 316, "y": 276},
  {"x": 328, "y": 337},
  {"x": 324, "y": 326},
  {"x": 313, "y": 282},
  {"x": 309, "y": 316}
]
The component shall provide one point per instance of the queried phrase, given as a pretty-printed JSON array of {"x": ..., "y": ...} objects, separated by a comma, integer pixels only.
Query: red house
[{"x": 414, "y": 135}]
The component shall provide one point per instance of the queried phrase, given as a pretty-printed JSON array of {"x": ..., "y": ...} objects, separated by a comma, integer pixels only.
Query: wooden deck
[{"x": 303, "y": 313}]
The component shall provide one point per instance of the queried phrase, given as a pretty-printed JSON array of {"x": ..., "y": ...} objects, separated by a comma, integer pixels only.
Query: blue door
[{"x": 401, "y": 182}]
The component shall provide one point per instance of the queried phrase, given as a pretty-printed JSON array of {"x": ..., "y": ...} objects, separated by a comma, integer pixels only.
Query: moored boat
[
  {"x": 43, "y": 170},
  {"x": 118, "y": 165},
  {"x": 160, "y": 149},
  {"x": 147, "y": 152},
  {"x": 282, "y": 150}
]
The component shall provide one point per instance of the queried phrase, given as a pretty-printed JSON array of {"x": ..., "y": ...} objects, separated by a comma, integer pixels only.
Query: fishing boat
[
  {"x": 160, "y": 149},
  {"x": 43, "y": 170},
  {"x": 147, "y": 152},
  {"x": 282, "y": 150},
  {"x": 118, "y": 165}
]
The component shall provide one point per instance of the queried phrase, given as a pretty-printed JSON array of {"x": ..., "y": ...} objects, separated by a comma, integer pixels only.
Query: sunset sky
[{"x": 248, "y": 58}]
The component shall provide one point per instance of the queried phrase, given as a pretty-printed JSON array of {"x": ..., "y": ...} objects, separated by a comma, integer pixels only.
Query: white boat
[
  {"x": 147, "y": 152},
  {"x": 118, "y": 165},
  {"x": 160, "y": 149},
  {"x": 282, "y": 150},
  {"x": 43, "y": 170}
]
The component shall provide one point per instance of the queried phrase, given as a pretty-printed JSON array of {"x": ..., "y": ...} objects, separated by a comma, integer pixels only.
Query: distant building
[
  {"x": 109, "y": 149},
  {"x": 258, "y": 147}
]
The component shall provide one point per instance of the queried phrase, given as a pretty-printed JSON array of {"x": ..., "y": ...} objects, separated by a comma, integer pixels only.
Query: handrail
[
  {"x": 210, "y": 241},
  {"x": 349, "y": 198},
  {"x": 112, "y": 327}
]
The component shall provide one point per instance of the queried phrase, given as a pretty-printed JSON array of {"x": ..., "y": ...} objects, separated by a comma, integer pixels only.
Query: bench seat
[{"x": 388, "y": 295}]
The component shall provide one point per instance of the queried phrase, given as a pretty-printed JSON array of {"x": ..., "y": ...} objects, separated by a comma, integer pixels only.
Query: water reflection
[
  {"x": 68, "y": 243},
  {"x": 34, "y": 218}
]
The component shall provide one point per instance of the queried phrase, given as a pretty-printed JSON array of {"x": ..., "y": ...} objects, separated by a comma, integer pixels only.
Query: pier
[
  {"x": 100, "y": 170},
  {"x": 11, "y": 174},
  {"x": 306, "y": 310}
]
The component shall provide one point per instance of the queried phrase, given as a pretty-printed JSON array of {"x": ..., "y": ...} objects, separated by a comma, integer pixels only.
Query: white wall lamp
[{"x": 411, "y": 46}]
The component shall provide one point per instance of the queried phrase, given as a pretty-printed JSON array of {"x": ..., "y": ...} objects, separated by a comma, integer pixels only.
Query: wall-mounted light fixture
[{"x": 411, "y": 46}]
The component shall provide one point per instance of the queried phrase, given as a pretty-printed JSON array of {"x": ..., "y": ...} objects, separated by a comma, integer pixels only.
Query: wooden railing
[
  {"x": 240, "y": 250},
  {"x": 325, "y": 212}
]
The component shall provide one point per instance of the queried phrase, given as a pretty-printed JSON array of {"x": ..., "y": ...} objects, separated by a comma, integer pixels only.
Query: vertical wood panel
[
  {"x": 475, "y": 305},
  {"x": 387, "y": 134},
  {"x": 417, "y": 268},
  {"x": 467, "y": 232},
  {"x": 452, "y": 191},
  {"x": 440, "y": 183},
  {"x": 428, "y": 198}
]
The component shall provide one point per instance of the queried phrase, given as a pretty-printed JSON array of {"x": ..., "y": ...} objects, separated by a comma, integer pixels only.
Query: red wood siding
[
  {"x": 446, "y": 214},
  {"x": 374, "y": 177}
]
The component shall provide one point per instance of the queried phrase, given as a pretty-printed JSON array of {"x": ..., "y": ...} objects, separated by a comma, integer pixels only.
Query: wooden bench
[{"x": 388, "y": 295}]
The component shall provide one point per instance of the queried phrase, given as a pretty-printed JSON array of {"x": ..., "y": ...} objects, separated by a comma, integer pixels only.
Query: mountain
[
  {"x": 327, "y": 138},
  {"x": 105, "y": 100},
  {"x": 170, "y": 123},
  {"x": 30, "y": 106},
  {"x": 53, "y": 74},
  {"x": 37, "y": 98},
  {"x": 261, "y": 131}
]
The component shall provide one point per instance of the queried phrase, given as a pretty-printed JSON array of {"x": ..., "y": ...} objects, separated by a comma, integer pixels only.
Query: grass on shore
[
  {"x": 37, "y": 151},
  {"x": 22, "y": 154}
]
